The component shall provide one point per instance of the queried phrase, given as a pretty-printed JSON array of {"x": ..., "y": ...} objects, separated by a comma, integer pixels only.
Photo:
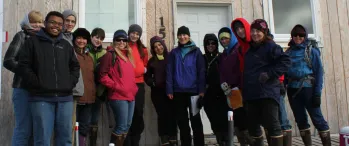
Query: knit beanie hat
[
  {"x": 224, "y": 34},
  {"x": 183, "y": 30},
  {"x": 135, "y": 28},
  {"x": 81, "y": 32},
  {"x": 120, "y": 34},
  {"x": 261, "y": 25},
  {"x": 68, "y": 12}
]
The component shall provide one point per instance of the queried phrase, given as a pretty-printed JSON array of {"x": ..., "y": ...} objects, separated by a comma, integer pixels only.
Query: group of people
[{"x": 63, "y": 76}]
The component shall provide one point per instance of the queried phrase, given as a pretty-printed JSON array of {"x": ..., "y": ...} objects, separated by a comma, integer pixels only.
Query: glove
[
  {"x": 263, "y": 77},
  {"x": 226, "y": 88},
  {"x": 200, "y": 102},
  {"x": 316, "y": 100},
  {"x": 282, "y": 90}
]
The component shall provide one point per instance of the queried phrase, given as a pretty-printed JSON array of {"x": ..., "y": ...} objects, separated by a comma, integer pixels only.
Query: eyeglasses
[
  {"x": 298, "y": 34},
  {"x": 52, "y": 22},
  {"x": 119, "y": 40}
]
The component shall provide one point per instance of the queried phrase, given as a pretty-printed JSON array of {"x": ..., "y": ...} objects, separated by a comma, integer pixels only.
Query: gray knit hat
[{"x": 69, "y": 12}]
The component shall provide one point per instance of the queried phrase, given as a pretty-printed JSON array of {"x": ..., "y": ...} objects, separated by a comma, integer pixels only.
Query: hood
[
  {"x": 291, "y": 43},
  {"x": 42, "y": 34},
  {"x": 233, "y": 39},
  {"x": 211, "y": 36},
  {"x": 25, "y": 24},
  {"x": 247, "y": 30},
  {"x": 155, "y": 39}
]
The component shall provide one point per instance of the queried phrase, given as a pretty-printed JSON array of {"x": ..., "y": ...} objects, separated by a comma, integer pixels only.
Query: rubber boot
[
  {"x": 82, "y": 140},
  {"x": 325, "y": 138},
  {"x": 258, "y": 141},
  {"x": 306, "y": 136},
  {"x": 240, "y": 136},
  {"x": 247, "y": 137},
  {"x": 219, "y": 138},
  {"x": 164, "y": 140},
  {"x": 93, "y": 135},
  {"x": 117, "y": 139},
  {"x": 267, "y": 136},
  {"x": 276, "y": 140},
  {"x": 287, "y": 137},
  {"x": 173, "y": 140}
]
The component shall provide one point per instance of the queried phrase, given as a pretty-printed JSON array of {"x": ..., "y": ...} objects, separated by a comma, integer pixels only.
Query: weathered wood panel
[
  {"x": 257, "y": 8},
  {"x": 237, "y": 9},
  {"x": 247, "y": 10},
  {"x": 66, "y": 4}
]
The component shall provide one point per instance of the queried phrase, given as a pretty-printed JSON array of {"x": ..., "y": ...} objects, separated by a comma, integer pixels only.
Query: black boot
[
  {"x": 241, "y": 138},
  {"x": 164, "y": 140},
  {"x": 287, "y": 137},
  {"x": 306, "y": 137},
  {"x": 276, "y": 141},
  {"x": 258, "y": 141},
  {"x": 325, "y": 138},
  {"x": 93, "y": 135},
  {"x": 267, "y": 136},
  {"x": 173, "y": 140}
]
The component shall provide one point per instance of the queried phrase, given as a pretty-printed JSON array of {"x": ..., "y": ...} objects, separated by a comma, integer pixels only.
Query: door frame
[{"x": 227, "y": 3}]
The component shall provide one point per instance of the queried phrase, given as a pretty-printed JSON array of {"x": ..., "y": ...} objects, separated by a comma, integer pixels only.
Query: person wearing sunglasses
[
  {"x": 50, "y": 71},
  {"x": 304, "y": 85},
  {"x": 117, "y": 74}
]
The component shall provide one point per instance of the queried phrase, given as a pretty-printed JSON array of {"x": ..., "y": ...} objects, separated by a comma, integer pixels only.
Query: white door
[{"x": 202, "y": 20}]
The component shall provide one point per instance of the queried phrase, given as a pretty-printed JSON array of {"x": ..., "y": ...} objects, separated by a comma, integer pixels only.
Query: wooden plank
[
  {"x": 329, "y": 83},
  {"x": 23, "y": 10},
  {"x": 338, "y": 63},
  {"x": 66, "y": 4},
  {"x": 257, "y": 7},
  {"x": 344, "y": 31},
  {"x": 52, "y": 5},
  {"x": 75, "y": 7},
  {"x": 247, "y": 11},
  {"x": 237, "y": 9},
  {"x": 39, "y": 5},
  {"x": 170, "y": 29}
]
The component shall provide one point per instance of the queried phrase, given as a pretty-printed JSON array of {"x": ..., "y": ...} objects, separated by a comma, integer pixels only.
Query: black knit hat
[
  {"x": 183, "y": 30},
  {"x": 81, "y": 32},
  {"x": 261, "y": 25},
  {"x": 120, "y": 34},
  {"x": 135, "y": 28}
]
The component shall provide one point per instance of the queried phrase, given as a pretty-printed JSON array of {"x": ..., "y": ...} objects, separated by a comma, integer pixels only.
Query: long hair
[
  {"x": 128, "y": 56},
  {"x": 140, "y": 47}
]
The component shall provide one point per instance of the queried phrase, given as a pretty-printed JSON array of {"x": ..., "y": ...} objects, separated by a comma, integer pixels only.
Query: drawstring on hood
[{"x": 233, "y": 39}]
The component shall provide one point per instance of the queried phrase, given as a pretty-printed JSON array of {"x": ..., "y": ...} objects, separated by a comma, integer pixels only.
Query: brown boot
[
  {"x": 93, "y": 135},
  {"x": 164, "y": 140},
  {"x": 276, "y": 140},
  {"x": 258, "y": 141},
  {"x": 306, "y": 136},
  {"x": 287, "y": 137},
  {"x": 325, "y": 138},
  {"x": 117, "y": 139}
]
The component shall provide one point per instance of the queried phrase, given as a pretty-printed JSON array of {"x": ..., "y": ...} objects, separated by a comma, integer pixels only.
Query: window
[
  {"x": 285, "y": 14},
  {"x": 110, "y": 15}
]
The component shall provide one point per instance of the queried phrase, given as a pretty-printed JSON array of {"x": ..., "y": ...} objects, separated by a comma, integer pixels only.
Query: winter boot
[
  {"x": 325, "y": 138},
  {"x": 267, "y": 136},
  {"x": 164, "y": 140},
  {"x": 306, "y": 137},
  {"x": 276, "y": 140},
  {"x": 240, "y": 136},
  {"x": 82, "y": 140},
  {"x": 117, "y": 140},
  {"x": 258, "y": 141},
  {"x": 287, "y": 137},
  {"x": 93, "y": 135},
  {"x": 173, "y": 140}
]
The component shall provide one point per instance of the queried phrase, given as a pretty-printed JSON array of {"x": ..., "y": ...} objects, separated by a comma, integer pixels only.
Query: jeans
[
  {"x": 49, "y": 116},
  {"x": 123, "y": 113},
  {"x": 302, "y": 103},
  {"x": 284, "y": 122},
  {"x": 83, "y": 115},
  {"x": 23, "y": 119},
  {"x": 95, "y": 112}
]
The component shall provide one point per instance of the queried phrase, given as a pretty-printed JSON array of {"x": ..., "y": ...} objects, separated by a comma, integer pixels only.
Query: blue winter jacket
[{"x": 187, "y": 73}]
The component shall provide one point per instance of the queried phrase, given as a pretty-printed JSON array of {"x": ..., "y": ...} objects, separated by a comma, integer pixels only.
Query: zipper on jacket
[{"x": 54, "y": 64}]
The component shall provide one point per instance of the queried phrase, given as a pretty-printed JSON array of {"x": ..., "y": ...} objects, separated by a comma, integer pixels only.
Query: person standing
[
  {"x": 22, "y": 133},
  {"x": 304, "y": 85},
  {"x": 264, "y": 63},
  {"x": 50, "y": 71},
  {"x": 117, "y": 74},
  {"x": 185, "y": 77},
  {"x": 156, "y": 79},
  {"x": 140, "y": 56},
  {"x": 70, "y": 19}
]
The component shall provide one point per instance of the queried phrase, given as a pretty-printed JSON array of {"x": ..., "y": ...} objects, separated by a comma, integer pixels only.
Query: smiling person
[
  {"x": 69, "y": 24},
  {"x": 117, "y": 74},
  {"x": 31, "y": 24},
  {"x": 50, "y": 71},
  {"x": 185, "y": 77},
  {"x": 265, "y": 62},
  {"x": 156, "y": 79},
  {"x": 140, "y": 56},
  {"x": 305, "y": 80}
]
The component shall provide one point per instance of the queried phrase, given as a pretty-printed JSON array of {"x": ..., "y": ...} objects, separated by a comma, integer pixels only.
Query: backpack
[{"x": 312, "y": 44}]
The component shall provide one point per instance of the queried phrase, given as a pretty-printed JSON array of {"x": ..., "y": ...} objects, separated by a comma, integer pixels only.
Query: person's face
[
  {"x": 121, "y": 43},
  {"x": 96, "y": 41},
  {"x": 211, "y": 46},
  {"x": 256, "y": 35},
  {"x": 183, "y": 38},
  {"x": 240, "y": 31},
  {"x": 36, "y": 25},
  {"x": 134, "y": 36},
  {"x": 69, "y": 23},
  {"x": 159, "y": 49},
  {"x": 225, "y": 41},
  {"x": 54, "y": 25},
  {"x": 80, "y": 42},
  {"x": 298, "y": 38}
]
